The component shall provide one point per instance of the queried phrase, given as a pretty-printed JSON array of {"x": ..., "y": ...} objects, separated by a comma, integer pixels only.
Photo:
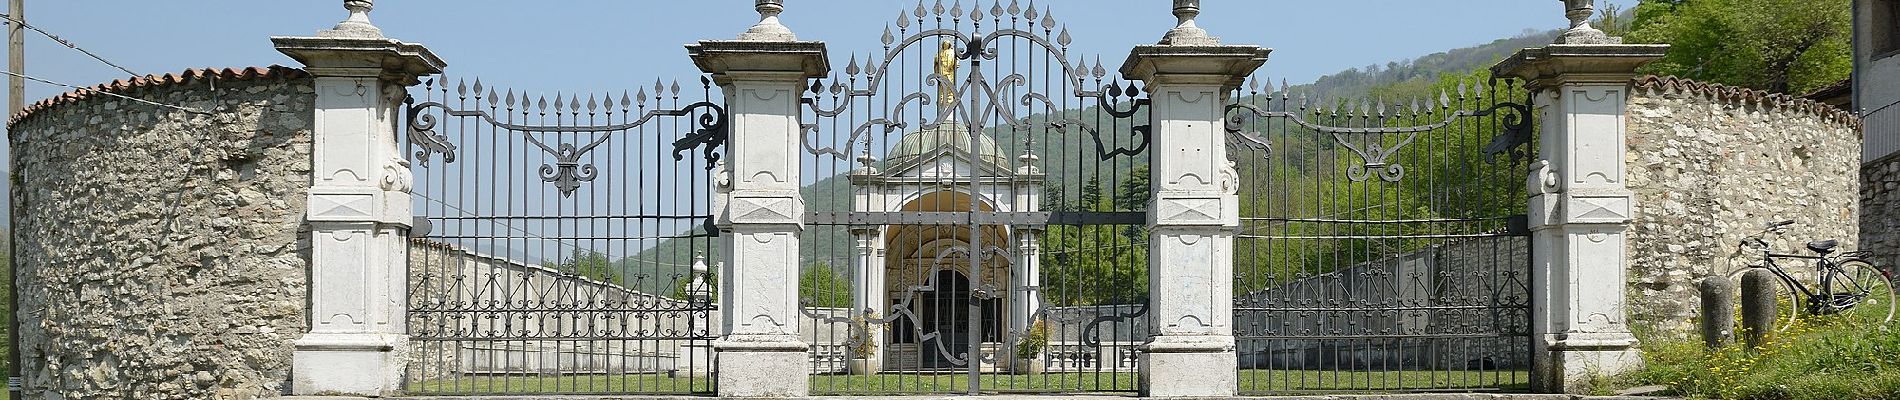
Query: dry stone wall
[
  {"x": 160, "y": 252},
  {"x": 1710, "y": 164},
  {"x": 1880, "y": 209}
]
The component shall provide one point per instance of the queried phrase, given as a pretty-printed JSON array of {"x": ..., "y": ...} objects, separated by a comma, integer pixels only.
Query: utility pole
[
  {"x": 16, "y": 101},
  {"x": 16, "y": 57}
]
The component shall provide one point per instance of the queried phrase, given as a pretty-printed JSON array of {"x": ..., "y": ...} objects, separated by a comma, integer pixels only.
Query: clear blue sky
[
  {"x": 600, "y": 45},
  {"x": 608, "y": 45}
]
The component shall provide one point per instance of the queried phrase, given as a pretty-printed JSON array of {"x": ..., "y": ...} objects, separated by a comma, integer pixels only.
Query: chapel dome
[{"x": 952, "y": 134}]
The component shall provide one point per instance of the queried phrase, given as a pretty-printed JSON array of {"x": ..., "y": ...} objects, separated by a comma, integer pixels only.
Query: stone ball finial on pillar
[
  {"x": 769, "y": 28},
  {"x": 1185, "y": 32},
  {"x": 1579, "y": 12},
  {"x": 357, "y": 25}
]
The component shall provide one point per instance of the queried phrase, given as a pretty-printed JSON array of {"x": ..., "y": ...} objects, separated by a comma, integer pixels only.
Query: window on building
[{"x": 1884, "y": 33}]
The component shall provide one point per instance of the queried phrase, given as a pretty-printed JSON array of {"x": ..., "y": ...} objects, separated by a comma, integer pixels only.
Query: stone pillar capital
[
  {"x": 389, "y": 59},
  {"x": 730, "y": 60},
  {"x": 1226, "y": 66},
  {"x": 1560, "y": 64}
]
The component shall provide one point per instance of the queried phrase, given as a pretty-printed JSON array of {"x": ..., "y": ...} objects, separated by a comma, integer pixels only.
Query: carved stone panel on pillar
[
  {"x": 359, "y": 207},
  {"x": 1580, "y": 207},
  {"x": 1195, "y": 211},
  {"x": 762, "y": 212}
]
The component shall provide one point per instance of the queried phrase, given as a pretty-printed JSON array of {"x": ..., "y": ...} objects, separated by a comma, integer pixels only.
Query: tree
[
  {"x": 1097, "y": 264},
  {"x": 819, "y": 286},
  {"x": 1785, "y": 46},
  {"x": 592, "y": 265}
]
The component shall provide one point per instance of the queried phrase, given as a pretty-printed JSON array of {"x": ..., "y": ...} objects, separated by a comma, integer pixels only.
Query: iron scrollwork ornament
[
  {"x": 569, "y": 170},
  {"x": 1375, "y": 154}
]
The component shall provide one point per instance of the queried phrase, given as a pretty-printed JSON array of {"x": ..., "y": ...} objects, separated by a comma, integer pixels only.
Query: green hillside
[{"x": 1070, "y": 159}]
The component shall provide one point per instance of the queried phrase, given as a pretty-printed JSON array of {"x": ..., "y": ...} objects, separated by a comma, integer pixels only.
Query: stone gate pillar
[
  {"x": 359, "y": 207},
  {"x": 1580, "y": 204},
  {"x": 761, "y": 211},
  {"x": 1195, "y": 211}
]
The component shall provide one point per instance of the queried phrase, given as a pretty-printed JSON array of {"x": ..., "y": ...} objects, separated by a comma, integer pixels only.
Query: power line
[
  {"x": 180, "y": 108},
  {"x": 70, "y": 45}
]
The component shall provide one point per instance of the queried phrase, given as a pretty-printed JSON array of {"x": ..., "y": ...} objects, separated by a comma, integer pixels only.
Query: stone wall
[
  {"x": 1711, "y": 164},
  {"x": 1880, "y": 209},
  {"x": 1381, "y": 309},
  {"x": 478, "y": 314},
  {"x": 160, "y": 252}
]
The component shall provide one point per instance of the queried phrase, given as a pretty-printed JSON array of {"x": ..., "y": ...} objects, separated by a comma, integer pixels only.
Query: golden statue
[{"x": 947, "y": 68}]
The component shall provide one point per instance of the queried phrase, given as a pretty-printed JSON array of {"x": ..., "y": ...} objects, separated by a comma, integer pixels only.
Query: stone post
[
  {"x": 1759, "y": 303},
  {"x": 1195, "y": 211},
  {"x": 1718, "y": 311},
  {"x": 359, "y": 212},
  {"x": 1580, "y": 205},
  {"x": 760, "y": 219}
]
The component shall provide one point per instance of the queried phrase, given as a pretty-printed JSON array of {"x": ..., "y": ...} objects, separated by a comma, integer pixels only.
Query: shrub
[{"x": 1030, "y": 346}]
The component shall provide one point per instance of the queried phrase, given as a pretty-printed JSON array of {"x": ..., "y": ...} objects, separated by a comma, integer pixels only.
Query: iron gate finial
[
  {"x": 1185, "y": 32},
  {"x": 769, "y": 28},
  {"x": 357, "y": 25}
]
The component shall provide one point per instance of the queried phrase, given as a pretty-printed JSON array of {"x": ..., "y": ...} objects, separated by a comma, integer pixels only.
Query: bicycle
[{"x": 1845, "y": 281}]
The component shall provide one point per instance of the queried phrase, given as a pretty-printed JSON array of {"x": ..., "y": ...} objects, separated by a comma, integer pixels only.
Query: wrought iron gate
[
  {"x": 975, "y": 196},
  {"x": 1383, "y": 243},
  {"x": 562, "y": 238}
]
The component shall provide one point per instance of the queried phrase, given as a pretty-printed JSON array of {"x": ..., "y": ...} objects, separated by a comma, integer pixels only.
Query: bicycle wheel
[
  {"x": 1861, "y": 292},
  {"x": 1787, "y": 308}
]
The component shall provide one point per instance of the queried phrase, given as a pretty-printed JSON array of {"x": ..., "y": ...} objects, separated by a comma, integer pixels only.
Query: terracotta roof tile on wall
[
  {"x": 1740, "y": 95},
  {"x": 188, "y": 76}
]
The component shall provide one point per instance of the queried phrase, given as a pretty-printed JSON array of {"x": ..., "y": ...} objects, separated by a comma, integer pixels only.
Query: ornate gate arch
[{"x": 955, "y": 153}]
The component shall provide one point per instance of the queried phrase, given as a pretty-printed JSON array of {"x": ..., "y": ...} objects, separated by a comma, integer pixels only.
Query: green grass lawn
[
  {"x": 1251, "y": 382},
  {"x": 571, "y": 384},
  {"x": 1294, "y": 382},
  {"x": 1836, "y": 357}
]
